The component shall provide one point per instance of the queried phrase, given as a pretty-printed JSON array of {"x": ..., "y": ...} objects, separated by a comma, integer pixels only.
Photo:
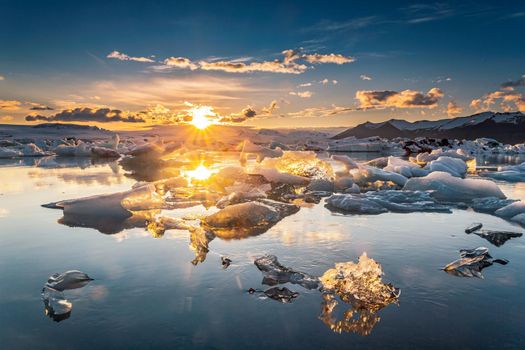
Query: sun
[
  {"x": 202, "y": 116},
  {"x": 200, "y": 173}
]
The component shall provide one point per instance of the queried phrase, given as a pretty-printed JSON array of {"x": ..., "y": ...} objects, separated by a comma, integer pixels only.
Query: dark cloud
[
  {"x": 41, "y": 108},
  {"x": 512, "y": 84},
  {"x": 102, "y": 115},
  {"x": 249, "y": 112},
  {"x": 399, "y": 99}
]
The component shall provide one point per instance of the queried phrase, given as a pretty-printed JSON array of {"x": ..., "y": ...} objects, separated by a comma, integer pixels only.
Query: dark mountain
[{"x": 506, "y": 127}]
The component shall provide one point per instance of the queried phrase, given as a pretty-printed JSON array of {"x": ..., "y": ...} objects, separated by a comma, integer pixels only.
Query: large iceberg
[
  {"x": 385, "y": 201},
  {"x": 452, "y": 189}
]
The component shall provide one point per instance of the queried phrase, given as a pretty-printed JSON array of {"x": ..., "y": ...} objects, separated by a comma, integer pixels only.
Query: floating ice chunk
[
  {"x": 116, "y": 205},
  {"x": 405, "y": 168},
  {"x": 355, "y": 205},
  {"x": 474, "y": 227},
  {"x": 283, "y": 295},
  {"x": 321, "y": 185},
  {"x": 239, "y": 197},
  {"x": 506, "y": 175},
  {"x": 471, "y": 262},
  {"x": 489, "y": 204},
  {"x": 225, "y": 262},
  {"x": 343, "y": 183},
  {"x": 380, "y": 162},
  {"x": 354, "y": 189},
  {"x": 449, "y": 188},
  {"x": 520, "y": 219},
  {"x": 304, "y": 163},
  {"x": 385, "y": 201},
  {"x": 261, "y": 152},
  {"x": 511, "y": 210},
  {"x": 348, "y": 162},
  {"x": 80, "y": 149},
  {"x": 102, "y": 152},
  {"x": 510, "y": 173},
  {"x": 56, "y": 305},
  {"x": 519, "y": 167},
  {"x": 273, "y": 175},
  {"x": 424, "y": 158},
  {"x": 498, "y": 238},
  {"x": 72, "y": 279},
  {"x": 244, "y": 219},
  {"x": 454, "y": 166},
  {"x": 368, "y": 174},
  {"x": 7, "y": 152},
  {"x": 32, "y": 150},
  {"x": 361, "y": 282},
  {"x": 274, "y": 273}
]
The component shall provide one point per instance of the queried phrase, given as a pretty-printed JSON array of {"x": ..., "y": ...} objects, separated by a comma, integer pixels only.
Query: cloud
[
  {"x": 265, "y": 66},
  {"x": 302, "y": 94},
  {"x": 2, "y": 77},
  {"x": 269, "y": 110},
  {"x": 7, "y": 118},
  {"x": 512, "y": 84},
  {"x": 10, "y": 105},
  {"x": 330, "y": 58},
  {"x": 402, "y": 99},
  {"x": 102, "y": 115},
  {"x": 304, "y": 85},
  {"x": 180, "y": 62},
  {"x": 41, "y": 108},
  {"x": 506, "y": 100},
  {"x": 123, "y": 57},
  {"x": 245, "y": 114},
  {"x": 313, "y": 112},
  {"x": 453, "y": 109},
  {"x": 293, "y": 62},
  {"x": 365, "y": 77}
]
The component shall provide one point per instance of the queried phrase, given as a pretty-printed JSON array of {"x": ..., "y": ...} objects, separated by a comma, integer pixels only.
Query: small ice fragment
[
  {"x": 68, "y": 280},
  {"x": 225, "y": 262},
  {"x": 283, "y": 295},
  {"x": 275, "y": 273},
  {"x": 471, "y": 262},
  {"x": 56, "y": 306},
  {"x": 474, "y": 227},
  {"x": 498, "y": 238}
]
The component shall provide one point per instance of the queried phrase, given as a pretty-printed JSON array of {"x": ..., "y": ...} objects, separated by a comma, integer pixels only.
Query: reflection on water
[{"x": 207, "y": 306}]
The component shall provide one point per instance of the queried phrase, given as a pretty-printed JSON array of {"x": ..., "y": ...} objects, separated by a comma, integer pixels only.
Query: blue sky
[{"x": 55, "y": 54}]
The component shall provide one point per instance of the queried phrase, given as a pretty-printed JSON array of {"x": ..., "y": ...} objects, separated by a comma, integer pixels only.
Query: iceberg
[
  {"x": 245, "y": 219},
  {"x": 281, "y": 294},
  {"x": 471, "y": 262},
  {"x": 454, "y": 166},
  {"x": 56, "y": 306},
  {"x": 369, "y": 174},
  {"x": 497, "y": 238},
  {"x": 274, "y": 273},
  {"x": 452, "y": 189},
  {"x": 359, "y": 282},
  {"x": 405, "y": 168},
  {"x": 384, "y": 201}
]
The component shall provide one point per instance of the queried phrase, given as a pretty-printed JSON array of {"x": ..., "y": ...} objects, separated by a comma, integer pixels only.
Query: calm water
[{"x": 147, "y": 294}]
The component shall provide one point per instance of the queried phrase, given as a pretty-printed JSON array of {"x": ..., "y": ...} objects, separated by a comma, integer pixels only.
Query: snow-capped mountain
[{"x": 508, "y": 127}]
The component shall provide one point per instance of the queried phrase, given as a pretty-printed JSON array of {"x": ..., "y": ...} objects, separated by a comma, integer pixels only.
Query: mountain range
[{"x": 507, "y": 127}]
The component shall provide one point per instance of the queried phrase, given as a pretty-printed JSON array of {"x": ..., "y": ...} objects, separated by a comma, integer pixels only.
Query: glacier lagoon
[{"x": 147, "y": 293}]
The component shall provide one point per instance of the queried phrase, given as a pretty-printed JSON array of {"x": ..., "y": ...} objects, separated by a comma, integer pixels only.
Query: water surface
[{"x": 147, "y": 293}]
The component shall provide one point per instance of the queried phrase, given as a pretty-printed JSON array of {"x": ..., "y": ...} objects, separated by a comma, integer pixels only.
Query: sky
[{"x": 127, "y": 64}]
